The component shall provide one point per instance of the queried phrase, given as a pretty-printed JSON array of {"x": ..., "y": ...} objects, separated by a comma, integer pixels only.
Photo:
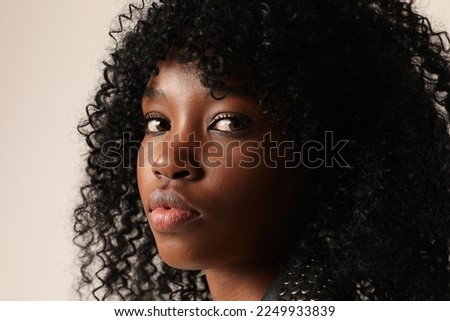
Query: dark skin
[{"x": 242, "y": 213}]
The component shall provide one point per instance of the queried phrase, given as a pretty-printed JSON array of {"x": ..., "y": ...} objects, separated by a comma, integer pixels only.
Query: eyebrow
[
  {"x": 233, "y": 91},
  {"x": 150, "y": 92}
]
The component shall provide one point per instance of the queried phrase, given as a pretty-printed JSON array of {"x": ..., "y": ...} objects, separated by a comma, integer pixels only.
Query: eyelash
[
  {"x": 232, "y": 116},
  {"x": 246, "y": 121}
]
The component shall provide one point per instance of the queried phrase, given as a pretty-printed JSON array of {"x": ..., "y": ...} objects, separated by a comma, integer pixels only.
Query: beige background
[{"x": 49, "y": 66}]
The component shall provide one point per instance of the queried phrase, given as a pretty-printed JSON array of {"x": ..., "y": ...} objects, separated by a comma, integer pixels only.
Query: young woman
[{"x": 269, "y": 150}]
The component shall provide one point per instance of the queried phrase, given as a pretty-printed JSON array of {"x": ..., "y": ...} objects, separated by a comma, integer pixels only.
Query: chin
[{"x": 181, "y": 256}]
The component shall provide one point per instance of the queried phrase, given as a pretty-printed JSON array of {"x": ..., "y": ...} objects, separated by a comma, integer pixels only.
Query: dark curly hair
[{"x": 372, "y": 71}]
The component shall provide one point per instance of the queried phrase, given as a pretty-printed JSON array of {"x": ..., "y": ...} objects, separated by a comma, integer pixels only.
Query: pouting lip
[{"x": 169, "y": 199}]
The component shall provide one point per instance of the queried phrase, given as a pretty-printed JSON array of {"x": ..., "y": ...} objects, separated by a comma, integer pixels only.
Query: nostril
[{"x": 180, "y": 174}]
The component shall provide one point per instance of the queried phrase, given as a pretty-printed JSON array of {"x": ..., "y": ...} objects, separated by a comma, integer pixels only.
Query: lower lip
[{"x": 170, "y": 220}]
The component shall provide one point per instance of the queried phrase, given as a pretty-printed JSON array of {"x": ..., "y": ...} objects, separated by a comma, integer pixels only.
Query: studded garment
[{"x": 299, "y": 281}]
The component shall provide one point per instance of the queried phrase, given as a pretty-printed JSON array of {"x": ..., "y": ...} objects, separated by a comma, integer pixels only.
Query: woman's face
[{"x": 211, "y": 182}]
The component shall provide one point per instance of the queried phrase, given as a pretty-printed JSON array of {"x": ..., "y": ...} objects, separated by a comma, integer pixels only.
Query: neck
[{"x": 247, "y": 283}]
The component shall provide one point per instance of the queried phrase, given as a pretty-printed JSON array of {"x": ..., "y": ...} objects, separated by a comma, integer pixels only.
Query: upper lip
[{"x": 169, "y": 199}]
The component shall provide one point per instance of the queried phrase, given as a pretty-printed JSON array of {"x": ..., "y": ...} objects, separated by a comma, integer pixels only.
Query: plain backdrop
[{"x": 50, "y": 60}]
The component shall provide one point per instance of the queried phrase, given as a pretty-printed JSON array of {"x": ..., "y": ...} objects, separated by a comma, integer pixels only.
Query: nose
[{"x": 177, "y": 158}]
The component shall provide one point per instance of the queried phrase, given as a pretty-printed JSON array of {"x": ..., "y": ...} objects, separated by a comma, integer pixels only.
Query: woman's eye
[
  {"x": 230, "y": 123},
  {"x": 156, "y": 124}
]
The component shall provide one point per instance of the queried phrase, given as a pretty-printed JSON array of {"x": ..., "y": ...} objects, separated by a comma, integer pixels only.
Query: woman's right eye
[{"x": 156, "y": 124}]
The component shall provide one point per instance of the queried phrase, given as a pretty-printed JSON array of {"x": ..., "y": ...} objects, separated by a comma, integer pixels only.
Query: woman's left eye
[{"x": 230, "y": 123}]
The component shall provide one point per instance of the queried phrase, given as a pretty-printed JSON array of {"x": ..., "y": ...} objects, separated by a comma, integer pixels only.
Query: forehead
[
  {"x": 174, "y": 73},
  {"x": 173, "y": 79}
]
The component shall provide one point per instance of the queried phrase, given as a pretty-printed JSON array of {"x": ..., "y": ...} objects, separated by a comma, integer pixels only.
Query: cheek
[
  {"x": 144, "y": 174},
  {"x": 262, "y": 178},
  {"x": 269, "y": 196},
  {"x": 251, "y": 213},
  {"x": 260, "y": 192},
  {"x": 255, "y": 202}
]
